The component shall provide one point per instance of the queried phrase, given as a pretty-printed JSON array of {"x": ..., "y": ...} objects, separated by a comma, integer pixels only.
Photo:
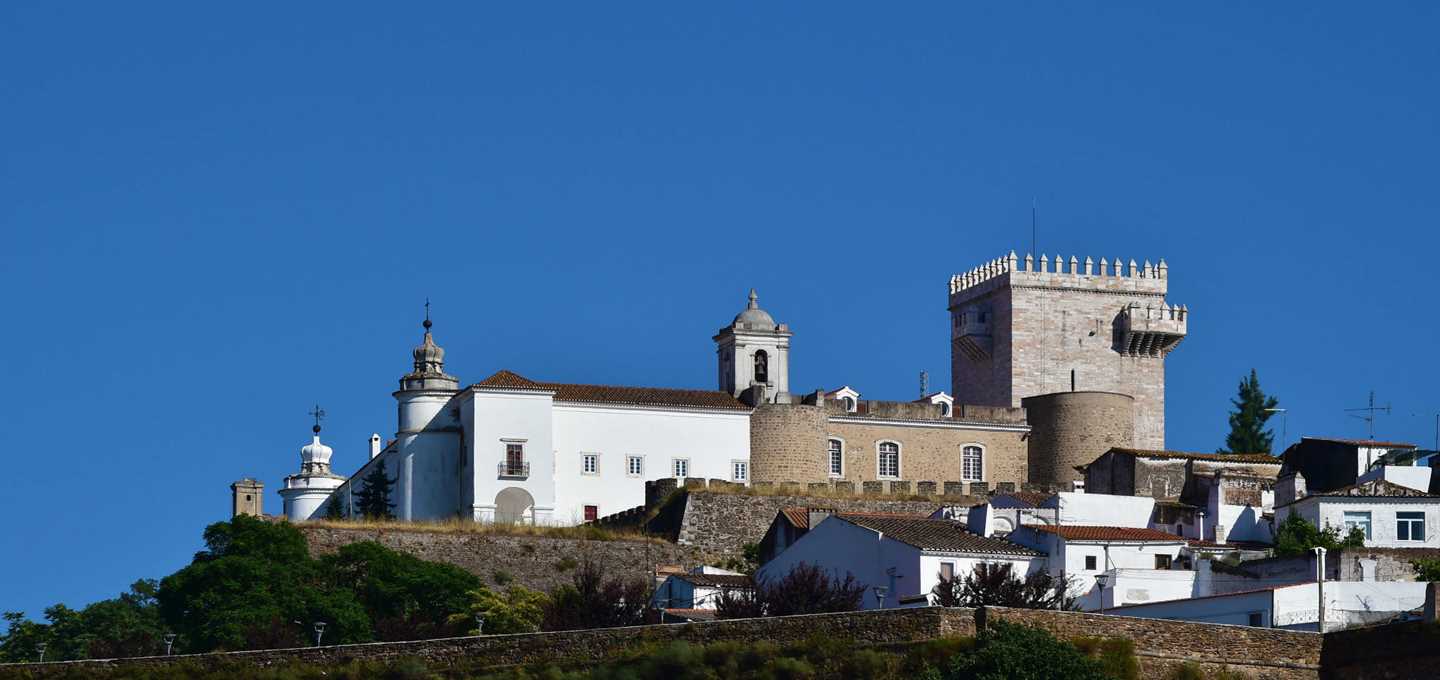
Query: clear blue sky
[{"x": 215, "y": 217}]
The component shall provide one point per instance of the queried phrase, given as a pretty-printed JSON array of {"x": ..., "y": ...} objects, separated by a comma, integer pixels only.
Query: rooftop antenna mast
[
  {"x": 1369, "y": 414},
  {"x": 1032, "y": 226}
]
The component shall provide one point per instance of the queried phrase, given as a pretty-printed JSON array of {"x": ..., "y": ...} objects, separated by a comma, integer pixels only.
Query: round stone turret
[{"x": 752, "y": 317}]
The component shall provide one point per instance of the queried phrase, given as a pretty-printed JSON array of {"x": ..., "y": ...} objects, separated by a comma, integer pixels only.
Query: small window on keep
[{"x": 1089, "y": 563}]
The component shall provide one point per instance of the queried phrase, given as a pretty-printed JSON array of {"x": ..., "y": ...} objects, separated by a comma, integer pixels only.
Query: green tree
[
  {"x": 591, "y": 600},
  {"x": 1427, "y": 569},
  {"x": 515, "y": 610},
  {"x": 1006, "y": 651},
  {"x": 1297, "y": 537},
  {"x": 1247, "y": 421},
  {"x": 997, "y": 585},
  {"x": 373, "y": 501},
  {"x": 405, "y": 597},
  {"x": 335, "y": 509},
  {"x": 255, "y": 586},
  {"x": 128, "y": 625}
]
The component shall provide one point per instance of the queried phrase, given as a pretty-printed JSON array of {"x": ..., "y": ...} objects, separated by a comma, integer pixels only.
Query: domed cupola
[
  {"x": 753, "y": 318},
  {"x": 315, "y": 457},
  {"x": 429, "y": 367}
]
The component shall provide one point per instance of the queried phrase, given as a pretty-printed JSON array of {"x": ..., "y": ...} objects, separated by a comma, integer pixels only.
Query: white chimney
[{"x": 375, "y": 445}]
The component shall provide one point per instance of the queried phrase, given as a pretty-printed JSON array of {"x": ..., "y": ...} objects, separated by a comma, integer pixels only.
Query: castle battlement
[{"x": 1076, "y": 273}]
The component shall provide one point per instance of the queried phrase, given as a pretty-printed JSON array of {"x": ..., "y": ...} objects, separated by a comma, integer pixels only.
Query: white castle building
[{"x": 509, "y": 448}]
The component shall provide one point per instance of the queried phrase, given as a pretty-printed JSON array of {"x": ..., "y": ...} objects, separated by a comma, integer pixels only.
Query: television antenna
[{"x": 1369, "y": 414}]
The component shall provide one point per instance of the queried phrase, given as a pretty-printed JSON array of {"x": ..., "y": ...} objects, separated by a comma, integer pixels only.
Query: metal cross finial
[
  {"x": 319, "y": 415},
  {"x": 427, "y": 314}
]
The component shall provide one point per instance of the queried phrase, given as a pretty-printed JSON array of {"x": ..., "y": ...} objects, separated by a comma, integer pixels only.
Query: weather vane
[{"x": 319, "y": 414}]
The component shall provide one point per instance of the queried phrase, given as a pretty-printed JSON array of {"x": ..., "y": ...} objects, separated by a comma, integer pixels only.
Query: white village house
[
  {"x": 1139, "y": 563},
  {"x": 904, "y": 556},
  {"x": 1390, "y": 515}
]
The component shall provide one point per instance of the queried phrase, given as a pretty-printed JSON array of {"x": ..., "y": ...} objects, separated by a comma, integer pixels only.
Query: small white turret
[{"x": 305, "y": 492}]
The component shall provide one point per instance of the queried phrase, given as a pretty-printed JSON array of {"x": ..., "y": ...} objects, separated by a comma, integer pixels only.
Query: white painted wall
[
  {"x": 1134, "y": 586},
  {"x": 1067, "y": 559},
  {"x": 840, "y": 547},
  {"x": 1295, "y": 607},
  {"x": 493, "y": 419},
  {"x": 710, "y": 440},
  {"x": 1413, "y": 477},
  {"x": 1095, "y": 509},
  {"x": 965, "y": 564},
  {"x": 1323, "y": 511}
]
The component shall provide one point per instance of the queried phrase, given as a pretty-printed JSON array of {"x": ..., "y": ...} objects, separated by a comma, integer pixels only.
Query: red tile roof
[
  {"x": 718, "y": 580},
  {"x": 1033, "y": 499},
  {"x": 800, "y": 517},
  {"x": 1096, "y": 533},
  {"x": 1187, "y": 455},
  {"x": 1364, "y": 442},
  {"x": 936, "y": 534},
  {"x": 1375, "y": 488},
  {"x": 614, "y": 394}
]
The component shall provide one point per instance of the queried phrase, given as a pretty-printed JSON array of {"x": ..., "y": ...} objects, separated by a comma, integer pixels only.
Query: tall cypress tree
[
  {"x": 373, "y": 501},
  {"x": 1247, "y": 421}
]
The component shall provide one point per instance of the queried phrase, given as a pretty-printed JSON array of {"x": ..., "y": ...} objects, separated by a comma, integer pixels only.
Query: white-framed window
[
  {"x": 837, "y": 458},
  {"x": 739, "y": 471},
  {"x": 887, "y": 460},
  {"x": 680, "y": 467},
  {"x": 635, "y": 465},
  {"x": 972, "y": 463},
  {"x": 1409, "y": 526},
  {"x": 590, "y": 463},
  {"x": 1357, "y": 519}
]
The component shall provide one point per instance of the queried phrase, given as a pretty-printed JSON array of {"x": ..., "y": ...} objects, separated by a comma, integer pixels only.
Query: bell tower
[{"x": 753, "y": 355}]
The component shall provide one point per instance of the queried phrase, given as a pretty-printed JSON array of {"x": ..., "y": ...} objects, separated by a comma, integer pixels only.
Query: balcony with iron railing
[{"x": 508, "y": 469}]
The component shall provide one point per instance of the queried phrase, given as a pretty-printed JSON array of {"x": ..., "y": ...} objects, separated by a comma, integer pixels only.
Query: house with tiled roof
[
  {"x": 903, "y": 556},
  {"x": 1334, "y": 462},
  {"x": 698, "y": 589},
  {"x": 1389, "y": 515},
  {"x": 1139, "y": 564}
]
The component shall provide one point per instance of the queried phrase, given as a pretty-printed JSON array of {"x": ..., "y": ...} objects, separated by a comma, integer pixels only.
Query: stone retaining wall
[{"x": 536, "y": 562}]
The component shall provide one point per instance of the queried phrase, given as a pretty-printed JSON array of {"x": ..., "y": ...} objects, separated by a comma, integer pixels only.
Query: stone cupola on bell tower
[
  {"x": 425, "y": 389},
  {"x": 754, "y": 356}
]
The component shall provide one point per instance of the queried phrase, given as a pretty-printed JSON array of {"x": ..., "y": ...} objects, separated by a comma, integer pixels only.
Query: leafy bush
[
  {"x": 1006, "y": 651},
  {"x": 806, "y": 589},
  {"x": 517, "y": 610},
  {"x": 1296, "y": 537},
  {"x": 996, "y": 585},
  {"x": 591, "y": 600}
]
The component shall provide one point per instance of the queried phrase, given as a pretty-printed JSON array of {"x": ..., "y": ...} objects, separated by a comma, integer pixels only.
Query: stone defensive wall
[
  {"x": 1160, "y": 645},
  {"x": 536, "y": 562},
  {"x": 715, "y": 519}
]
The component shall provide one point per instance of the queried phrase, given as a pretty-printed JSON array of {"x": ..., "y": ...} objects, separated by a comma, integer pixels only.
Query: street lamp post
[
  {"x": 169, "y": 643},
  {"x": 1100, "y": 581},
  {"x": 319, "y": 632},
  {"x": 479, "y": 624},
  {"x": 1320, "y": 587},
  {"x": 880, "y": 593},
  {"x": 41, "y": 648}
]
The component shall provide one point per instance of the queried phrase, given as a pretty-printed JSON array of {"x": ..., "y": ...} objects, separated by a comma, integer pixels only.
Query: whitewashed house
[
  {"x": 1295, "y": 607},
  {"x": 1139, "y": 563},
  {"x": 1390, "y": 515},
  {"x": 698, "y": 589},
  {"x": 904, "y": 556}
]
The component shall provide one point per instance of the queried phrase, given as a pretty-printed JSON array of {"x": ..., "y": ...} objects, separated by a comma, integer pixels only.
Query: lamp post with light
[
  {"x": 880, "y": 593},
  {"x": 1100, "y": 581},
  {"x": 169, "y": 643}
]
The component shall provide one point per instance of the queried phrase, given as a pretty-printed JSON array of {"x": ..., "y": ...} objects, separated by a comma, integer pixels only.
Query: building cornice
[{"x": 903, "y": 422}]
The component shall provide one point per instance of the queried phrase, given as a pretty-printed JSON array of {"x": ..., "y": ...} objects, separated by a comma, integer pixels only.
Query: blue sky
[{"x": 215, "y": 217}]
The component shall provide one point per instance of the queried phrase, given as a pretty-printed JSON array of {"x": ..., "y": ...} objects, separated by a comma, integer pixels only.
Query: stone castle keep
[{"x": 1050, "y": 369}]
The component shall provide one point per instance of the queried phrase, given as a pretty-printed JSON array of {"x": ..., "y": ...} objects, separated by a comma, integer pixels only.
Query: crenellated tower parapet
[{"x": 1042, "y": 324}]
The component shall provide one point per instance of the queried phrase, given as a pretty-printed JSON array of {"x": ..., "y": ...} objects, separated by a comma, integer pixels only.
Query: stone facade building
[{"x": 1021, "y": 329}]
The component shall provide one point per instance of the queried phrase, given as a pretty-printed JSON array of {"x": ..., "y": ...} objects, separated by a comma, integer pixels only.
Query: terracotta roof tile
[
  {"x": 614, "y": 394},
  {"x": 936, "y": 534},
  {"x": 1363, "y": 442},
  {"x": 1375, "y": 488},
  {"x": 1187, "y": 455},
  {"x": 1097, "y": 533},
  {"x": 1032, "y": 498}
]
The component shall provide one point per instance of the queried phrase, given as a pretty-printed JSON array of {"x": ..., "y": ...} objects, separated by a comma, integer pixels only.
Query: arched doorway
[{"x": 513, "y": 505}]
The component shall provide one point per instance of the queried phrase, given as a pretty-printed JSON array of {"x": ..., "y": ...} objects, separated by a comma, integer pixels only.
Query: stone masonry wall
[
  {"x": 1075, "y": 428},
  {"x": 1163, "y": 645},
  {"x": 787, "y": 443},
  {"x": 533, "y": 561},
  {"x": 1160, "y": 645},
  {"x": 1044, "y": 325},
  {"x": 717, "y": 525},
  {"x": 930, "y": 453}
]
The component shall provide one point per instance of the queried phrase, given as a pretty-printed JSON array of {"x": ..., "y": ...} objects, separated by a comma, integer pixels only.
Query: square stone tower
[
  {"x": 1021, "y": 328},
  {"x": 247, "y": 497}
]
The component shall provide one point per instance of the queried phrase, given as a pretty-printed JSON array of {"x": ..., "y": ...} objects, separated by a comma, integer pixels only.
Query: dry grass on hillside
[{"x": 457, "y": 526}]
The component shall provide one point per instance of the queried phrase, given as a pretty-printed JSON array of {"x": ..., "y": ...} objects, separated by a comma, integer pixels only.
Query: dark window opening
[
  {"x": 1089, "y": 563},
  {"x": 1162, "y": 561},
  {"x": 762, "y": 367},
  {"x": 592, "y": 513}
]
